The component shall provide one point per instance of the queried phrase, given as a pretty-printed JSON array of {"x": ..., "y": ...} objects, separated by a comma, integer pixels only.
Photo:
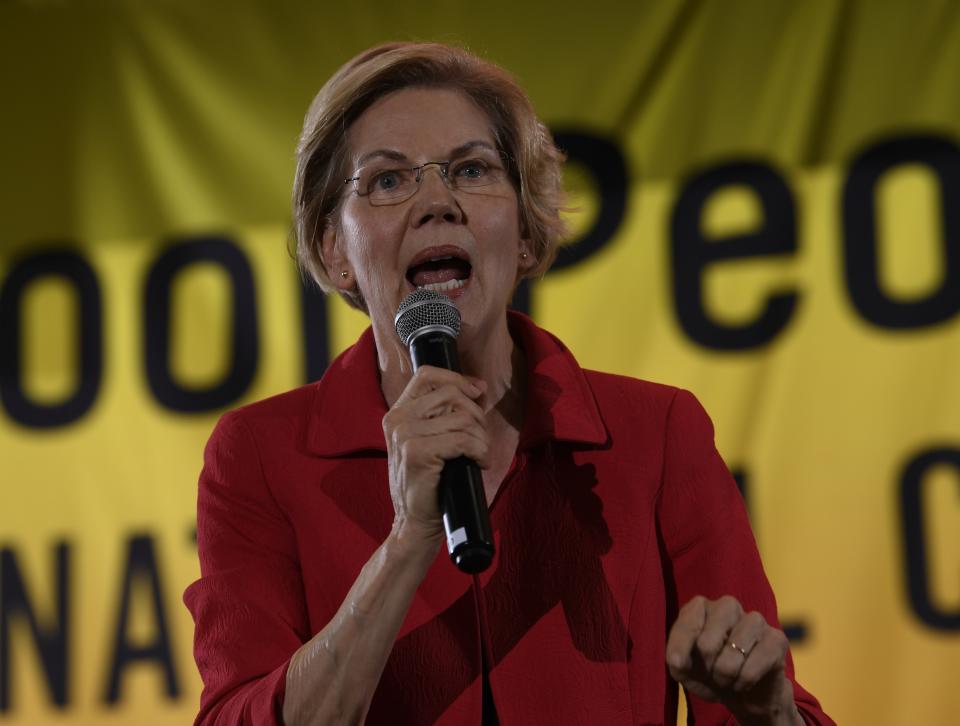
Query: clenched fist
[
  {"x": 435, "y": 419},
  {"x": 718, "y": 652}
]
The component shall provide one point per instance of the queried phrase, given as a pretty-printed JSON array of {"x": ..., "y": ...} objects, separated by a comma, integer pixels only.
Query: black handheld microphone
[{"x": 428, "y": 323}]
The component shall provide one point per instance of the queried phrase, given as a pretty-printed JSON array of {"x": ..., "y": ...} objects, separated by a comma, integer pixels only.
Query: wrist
[
  {"x": 413, "y": 542},
  {"x": 786, "y": 716},
  {"x": 780, "y": 711}
]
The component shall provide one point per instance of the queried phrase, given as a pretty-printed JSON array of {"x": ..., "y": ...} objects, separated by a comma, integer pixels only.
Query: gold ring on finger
[{"x": 740, "y": 650}]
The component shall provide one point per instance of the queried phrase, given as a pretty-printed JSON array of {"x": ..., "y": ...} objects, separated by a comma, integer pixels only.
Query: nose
[{"x": 433, "y": 200}]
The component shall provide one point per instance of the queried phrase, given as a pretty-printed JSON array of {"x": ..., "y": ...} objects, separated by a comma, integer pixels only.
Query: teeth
[{"x": 441, "y": 286}]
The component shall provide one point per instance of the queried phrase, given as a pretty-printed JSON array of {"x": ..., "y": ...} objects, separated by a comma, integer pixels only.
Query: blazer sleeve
[
  {"x": 709, "y": 546},
  {"x": 248, "y": 605}
]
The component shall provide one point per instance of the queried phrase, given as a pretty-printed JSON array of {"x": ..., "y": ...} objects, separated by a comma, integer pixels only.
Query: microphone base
[{"x": 472, "y": 559}]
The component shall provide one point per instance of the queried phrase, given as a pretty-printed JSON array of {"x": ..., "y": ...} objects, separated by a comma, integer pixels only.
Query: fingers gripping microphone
[{"x": 428, "y": 324}]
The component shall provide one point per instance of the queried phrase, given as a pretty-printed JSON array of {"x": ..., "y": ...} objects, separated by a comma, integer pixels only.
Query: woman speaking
[{"x": 624, "y": 562}]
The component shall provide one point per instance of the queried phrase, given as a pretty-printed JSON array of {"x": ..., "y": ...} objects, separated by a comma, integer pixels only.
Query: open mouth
[{"x": 438, "y": 270}]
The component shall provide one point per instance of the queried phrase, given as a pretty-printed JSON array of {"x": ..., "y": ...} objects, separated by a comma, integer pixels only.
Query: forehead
[{"x": 421, "y": 123}]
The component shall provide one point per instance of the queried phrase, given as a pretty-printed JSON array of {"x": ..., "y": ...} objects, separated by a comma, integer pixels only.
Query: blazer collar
[{"x": 349, "y": 406}]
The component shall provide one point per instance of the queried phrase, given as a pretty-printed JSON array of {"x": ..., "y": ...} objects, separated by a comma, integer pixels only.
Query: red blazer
[{"x": 616, "y": 511}]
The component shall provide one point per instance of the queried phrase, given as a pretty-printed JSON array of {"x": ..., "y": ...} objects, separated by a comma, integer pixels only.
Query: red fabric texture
[{"x": 616, "y": 511}]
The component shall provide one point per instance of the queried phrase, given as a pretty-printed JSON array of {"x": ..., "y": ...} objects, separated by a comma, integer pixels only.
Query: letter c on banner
[{"x": 914, "y": 541}]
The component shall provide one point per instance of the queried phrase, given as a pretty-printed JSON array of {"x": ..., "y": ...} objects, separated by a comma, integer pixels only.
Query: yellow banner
[{"x": 768, "y": 214}]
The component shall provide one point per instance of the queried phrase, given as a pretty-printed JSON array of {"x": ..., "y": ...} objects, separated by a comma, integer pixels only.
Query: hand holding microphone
[{"x": 437, "y": 430}]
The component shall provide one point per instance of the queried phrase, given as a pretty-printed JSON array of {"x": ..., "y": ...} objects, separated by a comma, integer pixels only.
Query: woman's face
[{"x": 465, "y": 244}]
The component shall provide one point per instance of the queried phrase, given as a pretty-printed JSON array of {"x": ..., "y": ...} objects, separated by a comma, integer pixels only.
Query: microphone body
[{"x": 462, "y": 500}]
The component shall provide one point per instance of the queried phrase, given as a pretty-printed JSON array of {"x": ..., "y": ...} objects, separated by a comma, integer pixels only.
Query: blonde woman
[{"x": 624, "y": 563}]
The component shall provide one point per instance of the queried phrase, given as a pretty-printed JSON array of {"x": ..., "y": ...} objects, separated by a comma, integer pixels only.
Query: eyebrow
[
  {"x": 398, "y": 156},
  {"x": 385, "y": 153},
  {"x": 464, "y": 148}
]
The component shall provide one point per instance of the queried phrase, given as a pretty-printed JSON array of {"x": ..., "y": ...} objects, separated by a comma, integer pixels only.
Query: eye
[
  {"x": 472, "y": 170},
  {"x": 385, "y": 181}
]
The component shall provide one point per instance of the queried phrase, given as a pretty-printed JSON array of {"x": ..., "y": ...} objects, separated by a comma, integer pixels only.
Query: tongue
[{"x": 443, "y": 271}]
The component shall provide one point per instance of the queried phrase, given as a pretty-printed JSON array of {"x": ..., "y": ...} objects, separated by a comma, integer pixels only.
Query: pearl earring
[{"x": 344, "y": 274}]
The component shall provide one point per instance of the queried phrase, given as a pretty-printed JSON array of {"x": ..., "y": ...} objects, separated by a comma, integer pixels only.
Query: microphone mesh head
[{"x": 426, "y": 308}]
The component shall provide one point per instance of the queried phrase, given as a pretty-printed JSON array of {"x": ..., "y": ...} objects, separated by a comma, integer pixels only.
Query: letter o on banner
[
  {"x": 860, "y": 239},
  {"x": 245, "y": 340},
  {"x": 605, "y": 162},
  {"x": 69, "y": 265}
]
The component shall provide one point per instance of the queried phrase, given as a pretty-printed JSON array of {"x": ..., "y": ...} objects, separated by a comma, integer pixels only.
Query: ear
[
  {"x": 526, "y": 260},
  {"x": 335, "y": 261}
]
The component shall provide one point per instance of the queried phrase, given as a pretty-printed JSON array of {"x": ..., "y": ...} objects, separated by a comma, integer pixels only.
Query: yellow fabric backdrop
[{"x": 724, "y": 155}]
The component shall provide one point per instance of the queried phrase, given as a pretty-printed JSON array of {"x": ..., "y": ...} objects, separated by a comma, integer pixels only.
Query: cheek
[
  {"x": 503, "y": 232},
  {"x": 359, "y": 241},
  {"x": 496, "y": 218}
]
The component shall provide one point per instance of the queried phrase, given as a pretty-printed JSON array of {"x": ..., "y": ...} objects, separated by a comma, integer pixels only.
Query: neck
[{"x": 490, "y": 356}]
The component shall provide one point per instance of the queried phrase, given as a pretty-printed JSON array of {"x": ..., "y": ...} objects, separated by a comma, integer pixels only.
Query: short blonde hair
[{"x": 534, "y": 166}]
